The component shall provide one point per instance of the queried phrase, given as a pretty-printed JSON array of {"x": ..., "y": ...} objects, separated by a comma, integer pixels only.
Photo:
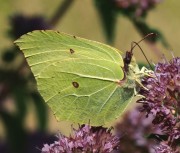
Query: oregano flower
[
  {"x": 135, "y": 132},
  {"x": 161, "y": 99},
  {"x": 86, "y": 139},
  {"x": 140, "y": 7}
]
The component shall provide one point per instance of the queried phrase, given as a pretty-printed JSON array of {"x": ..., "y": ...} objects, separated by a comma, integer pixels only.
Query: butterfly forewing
[{"x": 78, "y": 78}]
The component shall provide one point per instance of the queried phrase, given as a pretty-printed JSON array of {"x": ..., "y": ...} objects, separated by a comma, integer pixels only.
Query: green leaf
[
  {"x": 15, "y": 132},
  {"x": 108, "y": 15},
  {"x": 81, "y": 80},
  {"x": 41, "y": 111}
]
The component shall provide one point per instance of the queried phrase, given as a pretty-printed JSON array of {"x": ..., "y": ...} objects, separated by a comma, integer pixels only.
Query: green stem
[{"x": 62, "y": 9}]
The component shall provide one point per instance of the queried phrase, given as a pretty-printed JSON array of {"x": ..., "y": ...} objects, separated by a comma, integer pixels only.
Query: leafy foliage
[
  {"x": 108, "y": 16},
  {"x": 135, "y": 11}
]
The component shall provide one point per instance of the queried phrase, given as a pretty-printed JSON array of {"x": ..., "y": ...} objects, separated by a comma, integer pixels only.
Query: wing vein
[{"x": 107, "y": 99}]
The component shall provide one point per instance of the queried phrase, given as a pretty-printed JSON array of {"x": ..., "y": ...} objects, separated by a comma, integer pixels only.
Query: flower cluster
[
  {"x": 163, "y": 147},
  {"x": 136, "y": 129},
  {"x": 86, "y": 139},
  {"x": 24, "y": 24},
  {"x": 138, "y": 6},
  {"x": 162, "y": 99}
]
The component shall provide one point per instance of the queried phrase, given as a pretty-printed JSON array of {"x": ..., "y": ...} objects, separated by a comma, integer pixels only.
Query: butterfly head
[
  {"x": 127, "y": 60},
  {"x": 132, "y": 71},
  {"x": 129, "y": 54}
]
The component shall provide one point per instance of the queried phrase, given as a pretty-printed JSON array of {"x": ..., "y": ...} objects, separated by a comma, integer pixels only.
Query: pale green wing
[{"x": 78, "y": 78}]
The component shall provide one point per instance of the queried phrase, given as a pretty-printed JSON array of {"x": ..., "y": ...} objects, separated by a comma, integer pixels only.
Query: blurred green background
[{"x": 81, "y": 19}]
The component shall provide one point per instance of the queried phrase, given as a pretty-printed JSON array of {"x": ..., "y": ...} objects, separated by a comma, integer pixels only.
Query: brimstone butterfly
[{"x": 81, "y": 80}]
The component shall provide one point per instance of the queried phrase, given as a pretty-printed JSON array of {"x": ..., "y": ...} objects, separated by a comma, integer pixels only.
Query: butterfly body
[{"x": 81, "y": 80}]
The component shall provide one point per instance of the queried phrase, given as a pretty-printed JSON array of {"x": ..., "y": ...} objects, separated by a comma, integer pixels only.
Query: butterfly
[{"x": 81, "y": 80}]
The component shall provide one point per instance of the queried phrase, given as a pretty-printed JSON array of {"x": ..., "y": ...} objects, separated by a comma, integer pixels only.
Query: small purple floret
[
  {"x": 162, "y": 99},
  {"x": 86, "y": 139}
]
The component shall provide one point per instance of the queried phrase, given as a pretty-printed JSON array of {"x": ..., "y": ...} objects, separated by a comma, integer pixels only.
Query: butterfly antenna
[
  {"x": 143, "y": 54},
  {"x": 129, "y": 54},
  {"x": 148, "y": 35},
  {"x": 146, "y": 59}
]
